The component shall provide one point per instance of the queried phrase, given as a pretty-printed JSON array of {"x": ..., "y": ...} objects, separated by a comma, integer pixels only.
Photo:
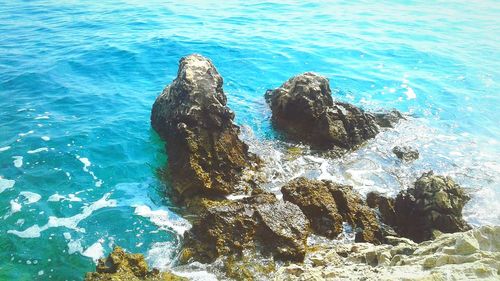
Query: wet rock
[
  {"x": 435, "y": 203},
  {"x": 121, "y": 266},
  {"x": 317, "y": 203},
  {"x": 405, "y": 153},
  {"x": 384, "y": 205},
  {"x": 327, "y": 205},
  {"x": 205, "y": 154},
  {"x": 260, "y": 223},
  {"x": 388, "y": 119},
  {"x": 304, "y": 110}
]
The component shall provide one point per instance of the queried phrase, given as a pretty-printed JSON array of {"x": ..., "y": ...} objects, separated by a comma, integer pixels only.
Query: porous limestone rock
[
  {"x": 205, "y": 154},
  {"x": 303, "y": 108},
  {"x": 471, "y": 255},
  {"x": 121, "y": 266},
  {"x": 433, "y": 204},
  {"x": 327, "y": 205},
  {"x": 405, "y": 153},
  {"x": 259, "y": 222}
]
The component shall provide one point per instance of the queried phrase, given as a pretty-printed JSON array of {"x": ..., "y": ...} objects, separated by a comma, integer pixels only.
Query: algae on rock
[
  {"x": 121, "y": 266},
  {"x": 205, "y": 154}
]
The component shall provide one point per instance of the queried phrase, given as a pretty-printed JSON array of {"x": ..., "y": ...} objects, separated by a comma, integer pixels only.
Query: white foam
[
  {"x": 38, "y": 150},
  {"x": 70, "y": 222},
  {"x": 15, "y": 207},
  {"x": 31, "y": 197},
  {"x": 45, "y": 138},
  {"x": 95, "y": 251},
  {"x": 160, "y": 255},
  {"x": 42, "y": 117},
  {"x": 75, "y": 246},
  {"x": 4, "y": 148},
  {"x": 18, "y": 161},
  {"x": 136, "y": 197},
  {"x": 6, "y": 184},
  {"x": 86, "y": 164},
  {"x": 27, "y": 133}
]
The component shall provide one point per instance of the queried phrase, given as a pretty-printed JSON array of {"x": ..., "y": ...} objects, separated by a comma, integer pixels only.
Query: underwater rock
[
  {"x": 388, "y": 119},
  {"x": 304, "y": 110},
  {"x": 121, "y": 266},
  {"x": 228, "y": 227},
  {"x": 470, "y": 255},
  {"x": 205, "y": 154},
  {"x": 327, "y": 205},
  {"x": 405, "y": 153}
]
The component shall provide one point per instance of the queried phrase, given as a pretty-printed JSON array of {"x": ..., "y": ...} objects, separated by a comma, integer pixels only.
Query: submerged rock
[
  {"x": 327, "y": 205},
  {"x": 470, "y": 255},
  {"x": 388, "y": 119},
  {"x": 405, "y": 153},
  {"x": 304, "y": 110},
  {"x": 205, "y": 154},
  {"x": 259, "y": 222},
  {"x": 121, "y": 266}
]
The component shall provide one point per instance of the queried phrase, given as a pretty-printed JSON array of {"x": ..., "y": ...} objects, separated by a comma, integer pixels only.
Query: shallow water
[{"x": 77, "y": 80}]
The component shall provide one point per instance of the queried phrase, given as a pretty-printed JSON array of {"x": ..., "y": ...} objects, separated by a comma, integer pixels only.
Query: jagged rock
[
  {"x": 284, "y": 228},
  {"x": 317, "y": 203},
  {"x": 388, "y": 119},
  {"x": 327, "y": 205},
  {"x": 205, "y": 155},
  {"x": 121, "y": 266},
  {"x": 434, "y": 203},
  {"x": 385, "y": 206},
  {"x": 405, "y": 153},
  {"x": 228, "y": 227},
  {"x": 304, "y": 110},
  {"x": 470, "y": 255}
]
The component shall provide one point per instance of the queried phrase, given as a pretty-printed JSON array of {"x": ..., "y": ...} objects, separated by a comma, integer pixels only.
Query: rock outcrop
[
  {"x": 405, "y": 153},
  {"x": 433, "y": 205},
  {"x": 260, "y": 223},
  {"x": 470, "y": 255},
  {"x": 121, "y": 266},
  {"x": 304, "y": 110},
  {"x": 205, "y": 154},
  {"x": 327, "y": 205}
]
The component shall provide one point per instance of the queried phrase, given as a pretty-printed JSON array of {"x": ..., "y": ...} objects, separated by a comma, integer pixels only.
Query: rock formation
[
  {"x": 434, "y": 204},
  {"x": 405, "y": 153},
  {"x": 259, "y": 222},
  {"x": 388, "y": 119},
  {"x": 470, "y": 255},
  {"x": 121, "y": 266},
  {"x": 205, "y": 154},
  {"x": 327, "y": 205},
  {"x": 303, "y": 108}
]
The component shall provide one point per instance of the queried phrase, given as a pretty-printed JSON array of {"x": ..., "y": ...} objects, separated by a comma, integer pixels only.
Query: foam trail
[
  {"x": 38, "y": 150},
  {"x": 70, "y": 222},
  {"x": 6, "y": 184}
]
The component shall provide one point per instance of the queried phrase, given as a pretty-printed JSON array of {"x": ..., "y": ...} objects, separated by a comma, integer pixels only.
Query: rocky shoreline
[{"x": 207, "y": 162}]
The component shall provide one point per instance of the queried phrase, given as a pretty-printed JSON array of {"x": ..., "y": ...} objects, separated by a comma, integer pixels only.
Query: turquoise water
[{"x": 77, "y": 81}]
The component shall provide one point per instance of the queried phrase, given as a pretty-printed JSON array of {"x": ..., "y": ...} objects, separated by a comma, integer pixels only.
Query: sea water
[{"x": 78, "y": 158}]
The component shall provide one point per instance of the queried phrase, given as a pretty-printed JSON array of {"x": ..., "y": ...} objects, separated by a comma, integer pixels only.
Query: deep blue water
[{"x": 78, "y": 78}]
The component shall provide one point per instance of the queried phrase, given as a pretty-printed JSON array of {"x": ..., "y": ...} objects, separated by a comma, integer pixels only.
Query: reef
[
  {"x": 304, "y": 110},
  {"x": 207, "y": 161},
  {"x": 122, "y": 266},
  {"x": 205, "y": 155}
]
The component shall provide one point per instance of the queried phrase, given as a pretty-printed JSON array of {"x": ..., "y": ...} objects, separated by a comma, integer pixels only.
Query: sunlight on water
[{"x": 77, "y": 80}]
